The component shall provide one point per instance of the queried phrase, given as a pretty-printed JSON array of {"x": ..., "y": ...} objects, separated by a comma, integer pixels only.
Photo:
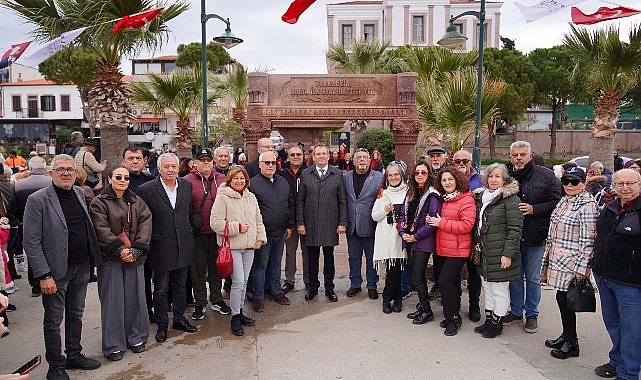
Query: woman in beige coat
[{"x": 238, "y": 208}]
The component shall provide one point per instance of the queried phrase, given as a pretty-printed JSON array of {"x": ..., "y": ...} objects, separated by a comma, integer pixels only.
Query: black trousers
[
  {"x": 449, "y": 282},
  {"x": 328, "y": 267},
  {"x": 148, "y": 294},
  {"x": 419, "y": 264},
  {"x": 568, "y": 317},
  {"x": 473, "y": 282},
  {"x": 392, "y": 290},
  {"x": 162, "y": 282},
  {"x": 437, "y": 262}
]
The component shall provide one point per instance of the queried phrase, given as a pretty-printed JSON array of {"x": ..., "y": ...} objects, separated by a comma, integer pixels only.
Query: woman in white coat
[{"x": 388, "y": 245}]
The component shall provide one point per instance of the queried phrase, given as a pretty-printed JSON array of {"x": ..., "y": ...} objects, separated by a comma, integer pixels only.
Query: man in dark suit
[
  {"x": 172, "y": 242},
  {"x": 58, "y": 240},
  {"x": 361, "y": 187},
  {"x": 321, "y": 214},
  {"x": 263, "y": 145}
]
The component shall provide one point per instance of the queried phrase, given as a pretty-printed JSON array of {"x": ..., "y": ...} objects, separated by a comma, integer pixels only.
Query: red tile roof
[{"x": 34, "y": 82}]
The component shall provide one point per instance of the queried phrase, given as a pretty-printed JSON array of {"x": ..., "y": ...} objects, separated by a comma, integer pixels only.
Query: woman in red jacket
[{"x": 453, "y": 241}]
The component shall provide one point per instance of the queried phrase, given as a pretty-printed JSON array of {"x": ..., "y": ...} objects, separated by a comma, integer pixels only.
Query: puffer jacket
[
  {"x": 425, "y": 235},
  {"x": 109, "y": 215},
  {"x": 454, "y": 233},
  {"x": 617, "y": 248},
  {"x": 231, "y": 207},
  {"x": 199, "y": 186},
  {"x": 499, "y": 234}
]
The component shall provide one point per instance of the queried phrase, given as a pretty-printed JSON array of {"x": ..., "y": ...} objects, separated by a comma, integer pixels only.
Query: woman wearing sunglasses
[
  {"x": 419, "y": 238},
  {"x": 568, "y": 250},
  {"x": 123, "y": 226}
]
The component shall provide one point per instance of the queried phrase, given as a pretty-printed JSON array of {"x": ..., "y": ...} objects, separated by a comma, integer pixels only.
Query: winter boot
[
  {"x": 424, "y": 315},
  {"x": 484, "y": 326},
  {"x": 495, "y": 328},
  {"x": 387, "y": 306},
  {"x": 569, "y": 348}
]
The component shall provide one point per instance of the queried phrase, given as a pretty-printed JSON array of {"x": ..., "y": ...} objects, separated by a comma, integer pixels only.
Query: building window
[
  {"x": 65, "y": 103},
  {"x": 418, "y": 29},
  {"x": 347, "y": 35},
  {"x": 48, "y": 103},
  {"x": 478, "y": 27},
  {"x": 16, "y": 103},
  {"x": 368, "y": 32}
]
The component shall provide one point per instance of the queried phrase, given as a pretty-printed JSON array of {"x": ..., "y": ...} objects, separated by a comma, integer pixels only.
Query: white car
[{"x": 582, "y": 162}]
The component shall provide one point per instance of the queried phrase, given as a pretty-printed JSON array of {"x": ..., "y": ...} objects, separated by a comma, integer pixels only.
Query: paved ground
[{"x": 351, "y": 339}]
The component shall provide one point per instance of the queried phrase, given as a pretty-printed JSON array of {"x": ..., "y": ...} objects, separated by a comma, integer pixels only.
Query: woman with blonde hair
[{"x": 236, "y": 209}]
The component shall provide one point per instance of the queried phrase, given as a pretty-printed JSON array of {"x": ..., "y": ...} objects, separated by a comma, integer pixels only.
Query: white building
[{"x": 413, "y": 22}]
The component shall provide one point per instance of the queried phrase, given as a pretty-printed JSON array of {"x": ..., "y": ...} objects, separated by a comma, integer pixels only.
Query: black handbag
[{"x": 580, "y": 297}]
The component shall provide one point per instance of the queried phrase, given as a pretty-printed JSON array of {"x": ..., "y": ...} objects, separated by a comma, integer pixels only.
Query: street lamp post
[
  {"x": 453, "y": 40},
  {"x": 228, "y": 40}
]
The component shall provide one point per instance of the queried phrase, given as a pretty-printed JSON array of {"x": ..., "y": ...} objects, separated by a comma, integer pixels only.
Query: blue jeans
[
  {"x": 69, "y": 303},
  {"x": 355, "y": 247},
  {"x": 621, "y": 307},
  {"x": 266, "y": 268},
  {"x": 526, "y": 294}
]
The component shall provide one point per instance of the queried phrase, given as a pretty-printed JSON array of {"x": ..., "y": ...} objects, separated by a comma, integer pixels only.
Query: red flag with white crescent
[
  {"x": 603, "y": 14},
  {"x": 136, "y": 20},
  {"x": 295, "y": 10}
]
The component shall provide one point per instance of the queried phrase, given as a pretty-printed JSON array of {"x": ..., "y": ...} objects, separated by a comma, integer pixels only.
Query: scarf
[
  {"x": 450, "y": 196},
  {"x": 487, "y": 198}
]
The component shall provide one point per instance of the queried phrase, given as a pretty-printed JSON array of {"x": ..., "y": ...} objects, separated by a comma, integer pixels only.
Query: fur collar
[{"x": 509, "y": 189}]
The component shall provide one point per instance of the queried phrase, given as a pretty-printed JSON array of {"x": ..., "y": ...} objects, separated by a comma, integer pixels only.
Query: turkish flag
[
  {"x": 603, "y": 14},
  {"x": 136, "y": 20},
  {"x": 295, "y": 10},
  {"x": 15, "y": 51}
]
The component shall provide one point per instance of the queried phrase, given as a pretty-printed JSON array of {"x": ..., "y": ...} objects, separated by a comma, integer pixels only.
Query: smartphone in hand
[{"x": 28, "y": 366}]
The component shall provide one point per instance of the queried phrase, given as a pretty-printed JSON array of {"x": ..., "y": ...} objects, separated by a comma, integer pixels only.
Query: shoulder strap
[{"x": 202, "y": 201}]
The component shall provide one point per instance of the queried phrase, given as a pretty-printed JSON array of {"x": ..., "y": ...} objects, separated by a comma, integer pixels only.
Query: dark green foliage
[
  {"x": 379, "y": 138},
  {"x": 189, "y": 55}
]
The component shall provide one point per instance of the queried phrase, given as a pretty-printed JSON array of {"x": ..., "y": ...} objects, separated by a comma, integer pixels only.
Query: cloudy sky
[{"x": 300, "y": 48}]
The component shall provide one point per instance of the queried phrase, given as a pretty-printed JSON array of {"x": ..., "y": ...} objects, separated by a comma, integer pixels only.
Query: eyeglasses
[
  {"x": 267, "y": 146},
  {"x": 420, "y": 172},
  {"x": 464, "y": 160},
  {"x": 63, "y": 170},
  {"x": 295, "y": 154},
  {"x": 628, "y": 184},
  {"x": 120, "y": 178},
  {"x": 203, "y": 159},
  {"x": 269, "y": 163},
  {"x": 567, "y": 181},
  {"x": 357, "y": 158}
]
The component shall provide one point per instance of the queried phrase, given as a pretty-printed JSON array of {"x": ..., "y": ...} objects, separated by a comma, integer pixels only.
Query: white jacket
[{"x": 388, "y": 244}]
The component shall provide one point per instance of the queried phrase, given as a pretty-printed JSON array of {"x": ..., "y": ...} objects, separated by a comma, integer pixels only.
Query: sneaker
[
  {"x": 453, "y": 325},
  {"x": 11, "y": 288},
  {"x": 57, "y": 374},
  {"x": 434, "y": 294},
  {"x": 11, "y": 307},
  {"x": 199, "y": 313},
  {"x": 509, "y": 318},
  {"x": 82, "y": 362},
  {"x": 406, "y": 295},
  {"x": 531, "y": 324},
  {"x": 606, "y": 370},
  {"x": 221, "y": 307},
  {"x": 23, "y": 266}
]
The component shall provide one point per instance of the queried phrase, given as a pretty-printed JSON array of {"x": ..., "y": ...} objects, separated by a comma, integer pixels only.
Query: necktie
[{"x": 322, "y": 172}]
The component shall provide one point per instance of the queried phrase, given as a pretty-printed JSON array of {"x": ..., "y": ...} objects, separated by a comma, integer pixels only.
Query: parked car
[{"x": 582, "y": 162}]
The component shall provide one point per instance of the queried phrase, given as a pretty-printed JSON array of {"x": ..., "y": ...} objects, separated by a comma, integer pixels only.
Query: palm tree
[
  {"x": 447, "y": 105},
  {"x": 364, "y": 57},
  {"x": 434, "y": 62},
  {"x": 109, "y": 96},
  {"x": 181, "y": 93},
  {"x": 237, "y": 84},
  {"x": 609, "y": 68}
]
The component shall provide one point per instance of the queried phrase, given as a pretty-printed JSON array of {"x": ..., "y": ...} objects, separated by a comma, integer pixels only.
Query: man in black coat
[
  {"x": 171, "y": 249},
  {"x": 263, "y": 145},
  {"x": 540, "y": 191}
]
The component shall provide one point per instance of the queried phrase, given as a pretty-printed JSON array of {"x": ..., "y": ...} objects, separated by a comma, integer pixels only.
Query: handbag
[
  {"x": 196, "y": 219},
  {"x": 124, "y": 235},
  {"x": 92, "y": 179},
  {"x": 580, "y": 296},
  {"x": 475, "y": 256},
  {"x": 224, "y": 261}
]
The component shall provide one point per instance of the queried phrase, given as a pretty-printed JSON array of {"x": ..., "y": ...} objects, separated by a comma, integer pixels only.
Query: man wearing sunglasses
[
  {"x": 539, "y": 190},
  {"x": 276, "y": 202}
]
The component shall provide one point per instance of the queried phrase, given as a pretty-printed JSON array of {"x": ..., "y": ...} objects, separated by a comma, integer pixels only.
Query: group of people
[{"x": 510, "y": 230}]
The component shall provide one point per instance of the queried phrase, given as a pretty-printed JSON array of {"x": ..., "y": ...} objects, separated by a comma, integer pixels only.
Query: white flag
[
  {"x": 544, "y": 8},
  {"x": 52, "y": 47}
]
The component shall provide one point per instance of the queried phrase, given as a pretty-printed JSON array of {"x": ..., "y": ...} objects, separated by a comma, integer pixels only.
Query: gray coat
[
  {"x": 321, "y": 206},
  {"x": 45, "y": 235},
  {"x": 172, "y": 239},
  {"x": 359, "y": 210}
]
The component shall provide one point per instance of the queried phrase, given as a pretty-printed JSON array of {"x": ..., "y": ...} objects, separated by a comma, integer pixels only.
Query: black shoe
[
  {"x": 424, "y": 315},
  {"x": 483, "y": 327},
  {"x": 115, "y": 356},
  {"x": 199, "y": 313},
  {"x": 555, "y": 343},
  {"x": 36, "y": 292},
  {"x": 12, "y": 307},
  {"x": 475, "y": 312},
  {"x": 236, "y": 326},
  {"x": 57, "y": 374},
  {"x": 245, "y": 320},
  {"x": 93, "y": 278},
  {"x": 453, "y": 325},
  {"x": 443, "y": 323},
  {"x": 287, "y": 287},
  {"x": 311, "y": 294},
  {"x": 161, "y": 334},
  {"x": 372, "y": 294},
  {"x": 509, "y": 318},
  {"x": 606, "y": 370},
  {"x": 493, "y": 330},
  {"x": 153, "y": 318},
  {"x": 569, "y": 349},
  {"x": 331, "y": 295},
  {"x": 137, "y": 349},
  {"x": 398, "y": 306},
  {"x": 82, "y": 362},
  {"x": 183, "y": 325},
  {"x": 221, "y": 307},
  {"x": 387, "y": 307},
  {"x": 351, "y": 292},
  {"x": 413, "y": 314}
]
